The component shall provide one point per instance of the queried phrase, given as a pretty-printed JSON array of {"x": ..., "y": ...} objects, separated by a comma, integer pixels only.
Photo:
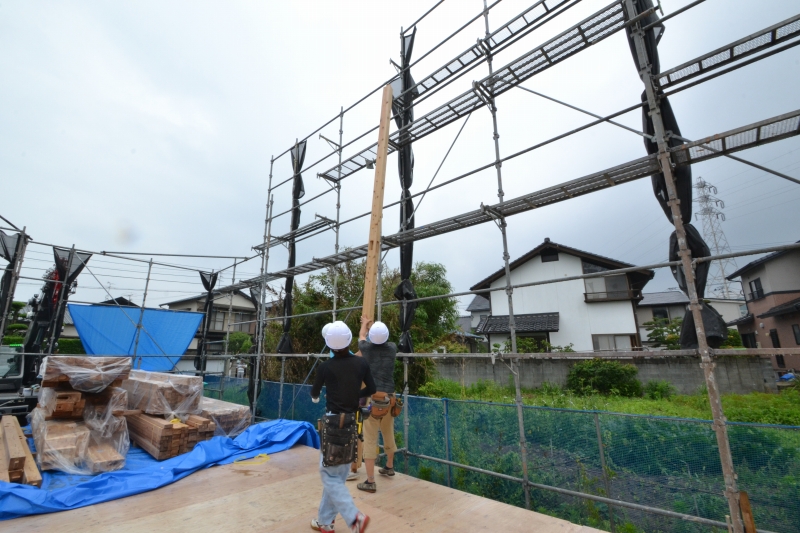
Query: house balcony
[
  {"x": 755, "y": 295},
  {"x": 612, "y": 296}
]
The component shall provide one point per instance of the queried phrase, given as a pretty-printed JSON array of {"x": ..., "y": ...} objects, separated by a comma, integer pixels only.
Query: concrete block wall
[{"x": 735, "y": 375}]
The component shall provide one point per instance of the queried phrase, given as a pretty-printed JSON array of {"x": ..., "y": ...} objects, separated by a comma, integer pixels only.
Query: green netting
[{"x": 666, "y": 463}]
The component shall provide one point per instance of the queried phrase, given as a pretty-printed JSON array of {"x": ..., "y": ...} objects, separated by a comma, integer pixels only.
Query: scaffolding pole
[
  {"x": 501, "y": 224},
  {"x": 64, "y": 288},
  {"x": 262, "y": 295},
  {"x": 338, "y": 209},
  {"x": 141, "y": 316},
  {"x": 665, "y": 161}
]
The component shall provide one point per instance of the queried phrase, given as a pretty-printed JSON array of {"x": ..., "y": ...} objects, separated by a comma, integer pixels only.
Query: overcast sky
[{"x": 149, "y": 127}]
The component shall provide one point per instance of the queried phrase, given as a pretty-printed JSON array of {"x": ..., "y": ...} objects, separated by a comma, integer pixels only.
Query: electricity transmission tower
[{"x": 710, "y": 213}]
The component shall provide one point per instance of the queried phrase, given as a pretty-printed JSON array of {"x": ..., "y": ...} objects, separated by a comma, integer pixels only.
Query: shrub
[
  {"x": 239, "y": 342},
  {"x": 16, "y": 327},
  {"x": 605, "y": 377},
  {"x": 441, "y": 388},
  {"x": 659, "y": 390},
  {"x": 12, "y": 339},
  {"x": 70, "y": 347}
]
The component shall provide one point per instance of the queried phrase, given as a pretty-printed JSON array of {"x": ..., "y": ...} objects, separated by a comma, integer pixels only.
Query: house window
[
  {"x": 613, "y": 343},
  {"x": 217, "y": 321},
  {"x": 242, "y": 317},
  {"x": 607, "y": 288},
  {"x": 776, "y": 342},
  {"x": 549, "y": 256},
  {"x": 780, "y": 361},
  {"x": 756, "y": 291},
  {"x": 743, "y": 310},
  {"x": 660, "y": 313},
  {"x": 749, "y": 340},
  {"x": 796, "y": 331}
]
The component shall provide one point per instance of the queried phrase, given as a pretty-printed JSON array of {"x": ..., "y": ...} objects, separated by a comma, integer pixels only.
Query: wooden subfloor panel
[{"x": 281, "y": 496}]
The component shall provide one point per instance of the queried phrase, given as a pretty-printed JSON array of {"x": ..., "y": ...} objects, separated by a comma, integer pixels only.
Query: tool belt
[
  {"x": 384, "y": 404},
  {"x": 339, "y": 438}
]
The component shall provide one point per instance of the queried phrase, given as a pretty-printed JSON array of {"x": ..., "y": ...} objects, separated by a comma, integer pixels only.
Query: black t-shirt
[
  {"x": 342, "y": 377},
  {"x": 381, "y": 362}
]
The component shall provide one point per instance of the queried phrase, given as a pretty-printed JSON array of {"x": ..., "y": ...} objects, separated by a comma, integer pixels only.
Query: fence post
[
  {"x": 523, "y": 448},
  {"x": 294, "y": 395},
  {"x": 405, "y": 413},
  {"x": 280, "y": 388},
  {"x": 605, "y": 471},
  {"x": 448, "y": 472}
]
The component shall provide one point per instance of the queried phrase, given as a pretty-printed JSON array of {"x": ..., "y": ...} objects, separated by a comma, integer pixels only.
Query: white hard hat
[
  {"x": 325, "y": 329},
  {"x": 378, "y": 333},
  {"x": 338, "y": 336}
]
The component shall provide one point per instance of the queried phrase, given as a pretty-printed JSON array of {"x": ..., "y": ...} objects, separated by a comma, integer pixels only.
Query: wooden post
[
  {"x": 374, "y": 246},
  {"x": 747, "y": 513}
]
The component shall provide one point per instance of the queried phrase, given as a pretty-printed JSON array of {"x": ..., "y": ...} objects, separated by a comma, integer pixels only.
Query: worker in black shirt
[{"x": 342, "y": 376}]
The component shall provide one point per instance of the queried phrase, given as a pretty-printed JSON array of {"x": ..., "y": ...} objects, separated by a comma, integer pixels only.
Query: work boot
[
  {"x": 388, "y": 471},
  {"x": 368, "y": 486}
]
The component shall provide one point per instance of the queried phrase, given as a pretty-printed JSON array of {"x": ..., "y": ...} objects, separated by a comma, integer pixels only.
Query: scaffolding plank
[
  {"x": 752, "y": 44},
  {"x": 743, "y": 138}
]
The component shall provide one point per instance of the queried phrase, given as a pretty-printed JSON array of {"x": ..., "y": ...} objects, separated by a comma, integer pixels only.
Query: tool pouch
[
  {"x": 397, "y": 408},
  {"x": 339, "y": 439},
  {"x": 381, "y": 404}
]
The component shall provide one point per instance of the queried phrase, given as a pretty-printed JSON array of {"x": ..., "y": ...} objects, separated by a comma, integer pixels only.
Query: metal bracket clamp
[
  {"x": 481, "y": 93},
  {"x": 330, "y": 222},
  {"x": 485, "y": 48},
  {"x": 332, "y": 181}
]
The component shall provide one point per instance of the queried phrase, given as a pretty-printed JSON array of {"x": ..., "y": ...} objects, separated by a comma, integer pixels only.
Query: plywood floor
[{"x": 282, "y": 495}]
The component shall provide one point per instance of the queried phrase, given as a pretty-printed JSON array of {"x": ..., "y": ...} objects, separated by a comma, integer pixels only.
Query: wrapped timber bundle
[
  {"x": 16, "y": 461},
  {"x": 164, "y": 439},
  {"x": 79, "y": 425},
  {"x": 85, "y": 374},
  {"x": 230, "y": 418},
  {"x": 157, "y": 393}
]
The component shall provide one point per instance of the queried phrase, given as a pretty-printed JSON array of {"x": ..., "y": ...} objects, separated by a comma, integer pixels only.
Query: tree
[
  {"x": 734, "y": 340},
  {"x": 239, "y": 342},
  {"x": 16, "y": 307},
  {"x": 664, "y": 332}
]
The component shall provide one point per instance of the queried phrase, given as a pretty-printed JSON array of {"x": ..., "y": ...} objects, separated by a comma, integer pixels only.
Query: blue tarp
[
  {"x": 142, "y": 473},
  {"x": 111, "y": 330}
]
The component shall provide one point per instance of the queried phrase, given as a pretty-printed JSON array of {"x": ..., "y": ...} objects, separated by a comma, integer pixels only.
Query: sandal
[
  {"x": 367, "y": 486},
  {"x": 388, "y": 471}
]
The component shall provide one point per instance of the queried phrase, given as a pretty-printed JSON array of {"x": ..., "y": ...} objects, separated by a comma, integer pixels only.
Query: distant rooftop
[
  {"x": 479, "y": 303},
  {"x": 663, "y": 298},
  {"x": 528, "y": 323}
]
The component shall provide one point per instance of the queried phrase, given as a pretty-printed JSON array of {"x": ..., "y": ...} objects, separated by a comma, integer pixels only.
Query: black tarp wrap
[
  {"x": 10, "y": 246},
  {"x": 683, "y": 183},
  {"x": 404, "y": 115},
  {"x": 298, "y": 154},
  {"x": 48, "y": 315},
  {"x": 209, "y": 280}
]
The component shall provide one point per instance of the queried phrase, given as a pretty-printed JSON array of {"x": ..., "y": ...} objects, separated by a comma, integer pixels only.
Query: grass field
[{"x": 782, "y": 409}]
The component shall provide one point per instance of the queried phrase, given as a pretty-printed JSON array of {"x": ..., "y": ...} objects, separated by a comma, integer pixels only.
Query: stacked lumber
[
  {"x": 86, "y": 374},
  {"x": 157, "y": 393},
  {"x": 61, "y": 404},
  {"x": 78, "y": 425},
  {"x": 16, "y": 460},
  {"x": 230, "y": 418},
  {"x": 164, "y": 439}
]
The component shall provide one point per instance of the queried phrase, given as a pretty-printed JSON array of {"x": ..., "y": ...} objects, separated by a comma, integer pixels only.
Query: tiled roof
[
  {"x": 479, "y": 303},
  {"x": 784, "y": 309},
  {"x": 640, "y": 278},
  {"x": 739, "y": 321},
  {"x": 531, "y": 323},
  {"x": 663, "y": 298}
]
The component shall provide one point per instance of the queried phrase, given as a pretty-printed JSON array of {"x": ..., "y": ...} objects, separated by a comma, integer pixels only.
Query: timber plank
[{"x": 14, "y": 450}]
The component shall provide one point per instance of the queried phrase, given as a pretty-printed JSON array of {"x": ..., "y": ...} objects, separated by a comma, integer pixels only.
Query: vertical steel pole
[
  {"x": 448, "y": 472},
  {"x": 280, "y": 390},
  {"x": 141, "y": 316},
  {"x": 664, "y": 159},
  {"x": 22, "y": 245},
  {"x": 64, "y": 288},
  {"x": 405, "y": 412},
  {"x": 262, "y": 294},
  {"x": 515, "y": 364},
  {"x": 338, "y": 208},
  {"x": 605, "y": 471},
  {"x": 230, "y": 310}
]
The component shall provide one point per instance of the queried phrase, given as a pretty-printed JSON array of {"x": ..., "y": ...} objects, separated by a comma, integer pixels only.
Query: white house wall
[{"x": 578, "y": 321}]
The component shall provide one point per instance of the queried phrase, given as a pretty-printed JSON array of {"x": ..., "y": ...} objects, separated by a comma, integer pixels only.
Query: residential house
[
  {"x": 589, "y": 314},
  {"x": 242, "y": 318},
  {"x": 478, "y": 309},
  {"x": 673, "y": 304},
  {"x": 772, "y": 290}
]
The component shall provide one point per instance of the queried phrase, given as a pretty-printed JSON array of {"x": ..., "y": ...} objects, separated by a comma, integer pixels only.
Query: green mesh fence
[{"x": 666, "y": 463}]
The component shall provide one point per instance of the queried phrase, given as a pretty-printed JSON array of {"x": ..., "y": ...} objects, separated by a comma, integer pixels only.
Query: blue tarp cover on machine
[
  {"x": 61, "y": 492},
  {"x": 111, "y": 330}
]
